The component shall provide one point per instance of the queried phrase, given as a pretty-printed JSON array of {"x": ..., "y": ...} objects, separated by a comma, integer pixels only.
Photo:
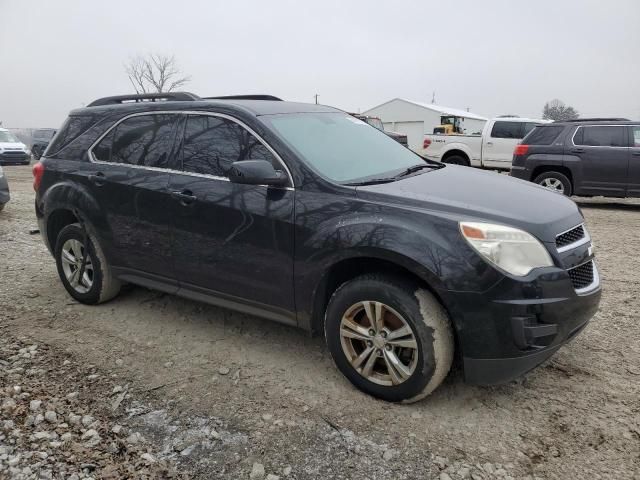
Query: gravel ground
[{"x": 174, "y": 388}]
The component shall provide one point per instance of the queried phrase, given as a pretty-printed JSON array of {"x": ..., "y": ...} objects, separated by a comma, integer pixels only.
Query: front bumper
[
  {"x": 511, "y": 329},
  {"x": 7, "y": 158}
]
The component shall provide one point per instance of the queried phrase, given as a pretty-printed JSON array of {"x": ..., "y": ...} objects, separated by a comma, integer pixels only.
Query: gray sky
[{"x": 495, "y": 57}]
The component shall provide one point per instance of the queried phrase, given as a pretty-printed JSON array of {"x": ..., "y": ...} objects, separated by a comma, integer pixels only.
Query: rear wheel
[
  {"x": 555, "y": 181},
  {"x": 389, "y": 337},
  {"x": 83, "y": 268}
]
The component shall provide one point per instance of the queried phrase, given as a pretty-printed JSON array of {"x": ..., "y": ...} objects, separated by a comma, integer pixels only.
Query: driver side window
[{"x": 211, "y": 145}]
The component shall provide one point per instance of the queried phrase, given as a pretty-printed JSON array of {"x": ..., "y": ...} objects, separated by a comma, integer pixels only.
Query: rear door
[
  {"x": 231, "y": 240},
  {"x": 604, "y": 159},
  {"x": 498, "y": 146},
  {"x": 129, "y": 178},
  {"x": 633, "y": 189}
]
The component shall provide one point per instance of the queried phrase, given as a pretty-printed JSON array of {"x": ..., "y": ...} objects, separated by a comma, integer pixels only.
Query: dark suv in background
[
  {"x": 582, "y": 157},
  {"x": 40, "y": 141},
  {"x": 299, "y": 213}
]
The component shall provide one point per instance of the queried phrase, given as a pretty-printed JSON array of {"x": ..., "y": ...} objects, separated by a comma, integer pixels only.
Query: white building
[{"x": 416, "y": 118}]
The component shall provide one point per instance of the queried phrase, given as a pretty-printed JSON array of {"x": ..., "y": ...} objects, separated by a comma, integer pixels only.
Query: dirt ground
[{"x": 282, "y": 409}]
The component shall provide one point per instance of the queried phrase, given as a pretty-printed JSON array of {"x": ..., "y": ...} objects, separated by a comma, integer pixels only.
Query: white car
[
  {"x": 493, "y": 148},
  {"x": 12, "y": 150}
]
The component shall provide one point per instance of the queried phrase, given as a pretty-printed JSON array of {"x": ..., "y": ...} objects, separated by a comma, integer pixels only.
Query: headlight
[{"x": 510, "y": 249}]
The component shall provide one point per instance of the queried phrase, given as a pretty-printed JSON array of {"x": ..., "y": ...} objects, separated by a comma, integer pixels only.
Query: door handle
[
  {"x": 637, "y": 154},
  {"x": 97, "y": 179},
  {"x": 577, "y": 150},
  {"x": 186, "y": 197},
  {"x": 489, "y": 143}
]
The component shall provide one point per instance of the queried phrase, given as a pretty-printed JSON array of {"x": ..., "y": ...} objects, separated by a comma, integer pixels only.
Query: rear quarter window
[
  {"x": 543, "y": 135},
  {"x": 71, "y": 129}
]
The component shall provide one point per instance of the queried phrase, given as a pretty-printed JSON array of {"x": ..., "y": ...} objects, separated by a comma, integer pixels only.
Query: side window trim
[
  {"x": 93, "y": 159},
  {"x": 596, "y": 146}
]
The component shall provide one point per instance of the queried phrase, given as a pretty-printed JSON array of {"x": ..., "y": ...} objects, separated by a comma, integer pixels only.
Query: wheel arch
[
  {"x": 539, "y": 170},
  {"x": 346, "y": 269},
  {"x": 456, "y": 152}
]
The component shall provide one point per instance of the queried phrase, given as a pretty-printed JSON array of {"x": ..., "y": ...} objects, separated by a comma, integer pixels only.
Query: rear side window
[
  {"x": 507, "y": 130},
  {"x": 145, "y": 140},
  {"x": 211, "y": 144},
  {"x": 600, "y": 136},
  {"x": 543, "y": 135}
]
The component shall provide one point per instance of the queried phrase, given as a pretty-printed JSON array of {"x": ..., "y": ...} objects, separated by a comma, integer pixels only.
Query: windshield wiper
[
  {"x": 373, "y": 181},
  {"x": 412, "y": 169}
]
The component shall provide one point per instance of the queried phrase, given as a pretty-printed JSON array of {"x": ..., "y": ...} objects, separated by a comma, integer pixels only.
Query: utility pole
[
  {"x": 316, "y": 97},
  {"x": 433, "y": 97}
]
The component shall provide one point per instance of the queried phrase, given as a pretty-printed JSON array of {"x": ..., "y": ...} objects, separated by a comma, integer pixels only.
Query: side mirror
[{"x": 256, "y": 172}]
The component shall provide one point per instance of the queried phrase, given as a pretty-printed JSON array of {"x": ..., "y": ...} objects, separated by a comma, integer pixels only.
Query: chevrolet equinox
[{"x": 308, "y": 216}]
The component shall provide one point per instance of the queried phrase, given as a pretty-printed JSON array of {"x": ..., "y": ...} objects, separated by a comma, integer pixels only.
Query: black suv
[
  {"x": 41, "y": 139},
  {"x": 582, "y": 157},
  {"x": 300, "y": 214}
]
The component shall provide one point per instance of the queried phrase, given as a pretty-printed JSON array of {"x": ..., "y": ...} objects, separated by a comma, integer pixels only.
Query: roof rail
[
  {"x": 244, "y": 97},
  {"x": 145, "y": 97},
  {"x": 597, "y": 119}
]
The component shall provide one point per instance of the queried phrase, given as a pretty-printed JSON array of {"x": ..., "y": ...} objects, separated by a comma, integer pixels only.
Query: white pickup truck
[{"x": 493, "y": 148}]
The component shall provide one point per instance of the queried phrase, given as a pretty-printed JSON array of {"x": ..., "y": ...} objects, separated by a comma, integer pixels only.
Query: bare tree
[
  {"x": 557, "y": 110},
  {"x": 155, "y": 73}
]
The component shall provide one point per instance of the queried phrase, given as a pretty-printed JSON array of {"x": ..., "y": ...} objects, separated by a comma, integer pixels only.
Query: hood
[
  {"x": 465, "y": 193},
  {"x": 13, "y": 146}
]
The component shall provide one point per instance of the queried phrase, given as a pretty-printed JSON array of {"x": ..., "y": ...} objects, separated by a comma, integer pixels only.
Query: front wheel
[
  {"x": 389, "y": 337},
  {"x": 83, "y": 268},
  {"x": 555, "y": 181}
]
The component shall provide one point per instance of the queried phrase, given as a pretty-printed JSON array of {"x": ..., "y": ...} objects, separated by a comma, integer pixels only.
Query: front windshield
[
  {"x": 7, "y": 137},
  {"x": 341, "y": 147}
]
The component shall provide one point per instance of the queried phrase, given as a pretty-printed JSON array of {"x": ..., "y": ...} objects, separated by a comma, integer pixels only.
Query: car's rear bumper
[
  {"x": 520, "y": 172},
  {"x": 516, "y": 325}
]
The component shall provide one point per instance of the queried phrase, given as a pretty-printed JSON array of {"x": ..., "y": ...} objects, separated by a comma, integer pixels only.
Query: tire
[
  {"x": 2, "y": 206},
  {"x": 425, "y": 364},
  {"x": 456, "y": 160},
  {"x": 98, "y": 284},
  {"x": 551, "y": 179}
]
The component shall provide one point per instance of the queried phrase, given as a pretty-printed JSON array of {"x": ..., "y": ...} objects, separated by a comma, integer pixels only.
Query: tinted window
[
  {"x": 528, "y": 127},
  {"x": 212, "y": 144},
  {"x": 636, "y": 136},
  {"x": 596, "y": 136},
  {"x": 543, "y": 135},
  {"x": 70, "y": 130},
  {"x": 507, "y": 130},
  {"x": 143, "y": 140}
]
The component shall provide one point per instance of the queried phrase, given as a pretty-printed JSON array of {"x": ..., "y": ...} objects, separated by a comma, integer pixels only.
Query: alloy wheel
[
  {"x": 378, "y": 343},
  {"x": 553, "y": 184},
  {"x": 72, "y": 255}
]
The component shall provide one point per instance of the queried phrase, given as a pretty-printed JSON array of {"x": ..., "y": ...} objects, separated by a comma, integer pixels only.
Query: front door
[
  {"x": 498, "y": 146},
  {"x": 231, "y": 240},
  {"x": 604, "y": 159},
  {"x": 129, "y": 177}
]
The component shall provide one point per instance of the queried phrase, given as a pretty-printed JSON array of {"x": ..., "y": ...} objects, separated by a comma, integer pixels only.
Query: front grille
[
  {"x": 581, "y": 276},
  {"x": 14, "y": 153},
  {"x": 572, "y": 236}
]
